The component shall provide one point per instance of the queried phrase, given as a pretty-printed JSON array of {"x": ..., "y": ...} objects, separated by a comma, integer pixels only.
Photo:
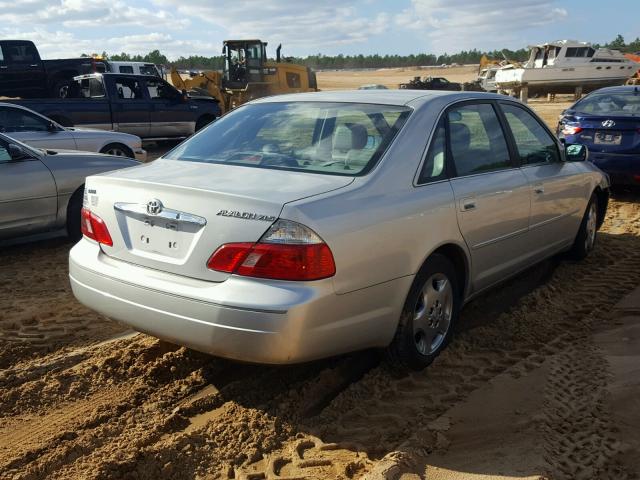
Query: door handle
[
  {"x": 539, "y": 189},
  {"x": 467, "y": 204},
  {"x": 34, "y": 65}
]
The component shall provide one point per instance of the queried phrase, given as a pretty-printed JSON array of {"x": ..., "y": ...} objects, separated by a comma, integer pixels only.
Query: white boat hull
[{"x": 564, "y": 79}]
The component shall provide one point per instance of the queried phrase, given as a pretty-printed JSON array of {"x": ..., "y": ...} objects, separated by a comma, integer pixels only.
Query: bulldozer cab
[{"x": 243, "y": 62}]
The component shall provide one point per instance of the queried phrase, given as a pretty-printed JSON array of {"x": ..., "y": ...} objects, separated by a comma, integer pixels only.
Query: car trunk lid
[{"x": 172, "y": 215}]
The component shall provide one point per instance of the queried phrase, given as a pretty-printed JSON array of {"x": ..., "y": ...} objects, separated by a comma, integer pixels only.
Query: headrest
[
  {"x": 350, "y": 137},
  {"x": 460, "y": 136}
]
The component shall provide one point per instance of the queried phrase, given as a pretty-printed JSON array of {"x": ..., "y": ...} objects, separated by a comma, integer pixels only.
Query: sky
[{"x": 177, "y": 28}]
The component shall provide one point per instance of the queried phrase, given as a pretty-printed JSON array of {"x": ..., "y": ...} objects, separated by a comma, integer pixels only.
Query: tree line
[{"x": 329, "y": 62}]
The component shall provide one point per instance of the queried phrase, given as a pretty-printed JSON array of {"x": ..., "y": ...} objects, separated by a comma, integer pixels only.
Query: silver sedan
[
  {"x": 39, "y": 131},
  {"x": 303, "y": 226},
  {"x": 41, "y": 190}
]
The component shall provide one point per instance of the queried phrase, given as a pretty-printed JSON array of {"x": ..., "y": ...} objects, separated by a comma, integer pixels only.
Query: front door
[
  {"x": 171, "y": 115},
  {"x": 491, "y": 193},
  {"x": 131, "y": 112},
  {"x": 28, "y": 197},
  {"x": 557, "y": 192}
]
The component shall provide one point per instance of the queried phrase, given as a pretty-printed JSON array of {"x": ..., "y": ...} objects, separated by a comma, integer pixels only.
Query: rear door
[
  {"x": 131, "y": 107},
  {"x": 491, "y": 193},
  {"x": 24, "y": 72},
  {"x": 28, "y": 197},
  {"x": 557, "y": 189},
  {"x": 171, "y": 115},
  {"x": 33, "y": 129}
]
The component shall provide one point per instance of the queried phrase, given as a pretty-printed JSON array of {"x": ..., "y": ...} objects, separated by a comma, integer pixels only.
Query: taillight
[
  {"x": 571, "y": 130},
  {"x": 93, "y": 227},
  {"x": 288, "y": 251}
]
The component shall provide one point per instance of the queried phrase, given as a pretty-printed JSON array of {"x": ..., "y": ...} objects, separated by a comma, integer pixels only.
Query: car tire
[
  {"x": 428, "y": 316},
  {"x": 117, "y": 149},
  {"x": 73, "y": 215},
  {"x": 587, "y": 234}
]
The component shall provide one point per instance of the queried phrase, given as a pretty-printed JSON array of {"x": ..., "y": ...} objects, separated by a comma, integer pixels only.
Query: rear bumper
[
  {"x": 621, "y": 168},
  {"x": 240, "y": 318}
]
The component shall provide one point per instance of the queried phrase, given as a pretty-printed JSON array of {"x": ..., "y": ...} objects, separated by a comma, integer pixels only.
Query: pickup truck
[
  {"x": 141, "y": 105},
  {"x": 24, "y": 74}
]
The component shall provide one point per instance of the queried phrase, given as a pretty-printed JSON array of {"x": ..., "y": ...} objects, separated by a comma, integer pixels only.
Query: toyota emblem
[
  {"x": 154, "y": 207},
  {"x": 608, "y": 123}
]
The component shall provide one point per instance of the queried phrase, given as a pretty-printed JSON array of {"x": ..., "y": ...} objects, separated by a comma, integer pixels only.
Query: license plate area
[
  {"x": 607, "y": 138},
  {"x": 157, "y": 236}
]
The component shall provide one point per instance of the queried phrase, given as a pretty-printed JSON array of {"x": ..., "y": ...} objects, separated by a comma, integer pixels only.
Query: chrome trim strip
[
  {"x": 166, "y": 214},
  {"x": 503, "y": 237}
]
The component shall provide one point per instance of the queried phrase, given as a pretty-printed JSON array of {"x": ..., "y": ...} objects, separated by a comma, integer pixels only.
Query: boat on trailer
[{"x": 563, "y": 66}]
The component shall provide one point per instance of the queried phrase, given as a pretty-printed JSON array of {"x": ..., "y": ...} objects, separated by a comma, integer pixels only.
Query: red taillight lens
[
  {"x": 275, "y": 261},
  {"x": 93, "y": 227},
  {"x": 571, "y": 130},
  {"x": 288, "y": 251}
]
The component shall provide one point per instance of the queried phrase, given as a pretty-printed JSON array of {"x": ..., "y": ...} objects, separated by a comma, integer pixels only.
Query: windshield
[
  {"x": 619, "y": 103},
  {"x": 318, "y": 137}
]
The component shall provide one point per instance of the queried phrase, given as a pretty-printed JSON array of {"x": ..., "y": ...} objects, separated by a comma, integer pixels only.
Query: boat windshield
[{"x": 618, "y": 103}]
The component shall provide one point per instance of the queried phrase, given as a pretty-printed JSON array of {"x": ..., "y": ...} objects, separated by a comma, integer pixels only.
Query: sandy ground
[
  {"x": 540, "y": 381},
  {"x": 390, "y": 77}
]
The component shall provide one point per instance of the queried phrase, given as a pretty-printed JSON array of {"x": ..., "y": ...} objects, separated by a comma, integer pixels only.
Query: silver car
[
  {"x": 39, "y": 131},
  {"x": 303, "y": 226},
  {"x": 42, "y": 190}
]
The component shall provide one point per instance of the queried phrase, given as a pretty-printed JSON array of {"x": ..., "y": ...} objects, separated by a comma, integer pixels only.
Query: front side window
[
  {"x": 316, "y": 137},
  {"x": 16, "y": 120},
  {"x": 534, "y": 144},
  {"x": 87, "y": 88},
  {"x": 4, "y": 152},
  {"x": 476, "y": 139},
  {"x": 21, "y": 53},
  {"x": 159, "y": 90}
]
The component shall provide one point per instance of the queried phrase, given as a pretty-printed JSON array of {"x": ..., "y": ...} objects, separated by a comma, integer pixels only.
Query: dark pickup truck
[
  {"x": 24, "y": 74},
  {"x": 142, "y": 105}
]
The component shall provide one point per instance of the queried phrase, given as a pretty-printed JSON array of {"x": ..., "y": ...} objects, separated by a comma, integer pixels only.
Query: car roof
[{"x": 382, "y": 97}]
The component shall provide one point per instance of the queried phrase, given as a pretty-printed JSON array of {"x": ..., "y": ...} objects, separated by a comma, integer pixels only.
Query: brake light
[
  {"x": 93, "y": 227},
  {"x": 571, "y": 130},
  {"x": 288, "y": 251}
]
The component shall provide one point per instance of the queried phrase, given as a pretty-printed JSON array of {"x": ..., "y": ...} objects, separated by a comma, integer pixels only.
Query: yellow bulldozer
[{"x": 247, "y": 74}]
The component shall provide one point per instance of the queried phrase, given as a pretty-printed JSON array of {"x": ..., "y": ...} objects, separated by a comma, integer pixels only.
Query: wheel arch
[
  {"x": 603, "y": 200},
  {"x": 461, "y": 263}
]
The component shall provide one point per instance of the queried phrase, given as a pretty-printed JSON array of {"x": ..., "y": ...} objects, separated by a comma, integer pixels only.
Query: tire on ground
[
  {"x": 73, "y": 214},
  {"x": 403, "y": 353},
  {"x": 581, "y": 245}
]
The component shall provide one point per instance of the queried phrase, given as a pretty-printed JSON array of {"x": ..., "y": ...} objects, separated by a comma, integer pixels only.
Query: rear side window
[
  {"x": 126, "y": 69},
  {"x": 533, "y": 142},
  {"x": 477, "y": 142},
  {"x": 128, "y": 89},
  {"x": 433, "y": 168}
]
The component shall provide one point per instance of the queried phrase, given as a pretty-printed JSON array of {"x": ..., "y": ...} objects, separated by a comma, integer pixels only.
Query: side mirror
[
  {"x": 51, "y": 127},
  {"x": 185, "y": 96},
  {"x": 16, "y": 152},
  {"x": 576, "y": 152}
]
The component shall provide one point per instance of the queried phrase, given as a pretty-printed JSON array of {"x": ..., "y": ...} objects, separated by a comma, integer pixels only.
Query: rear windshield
[
  {"x": 621, "y": 103},
  {"x": 334, "y": 138}
]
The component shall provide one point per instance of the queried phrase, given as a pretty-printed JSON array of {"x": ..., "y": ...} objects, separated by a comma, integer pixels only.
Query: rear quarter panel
[{"x": 382, "y": 227}]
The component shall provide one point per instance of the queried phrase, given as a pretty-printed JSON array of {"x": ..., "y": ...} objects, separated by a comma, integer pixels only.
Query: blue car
[{"x": 607, "y": 121}]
